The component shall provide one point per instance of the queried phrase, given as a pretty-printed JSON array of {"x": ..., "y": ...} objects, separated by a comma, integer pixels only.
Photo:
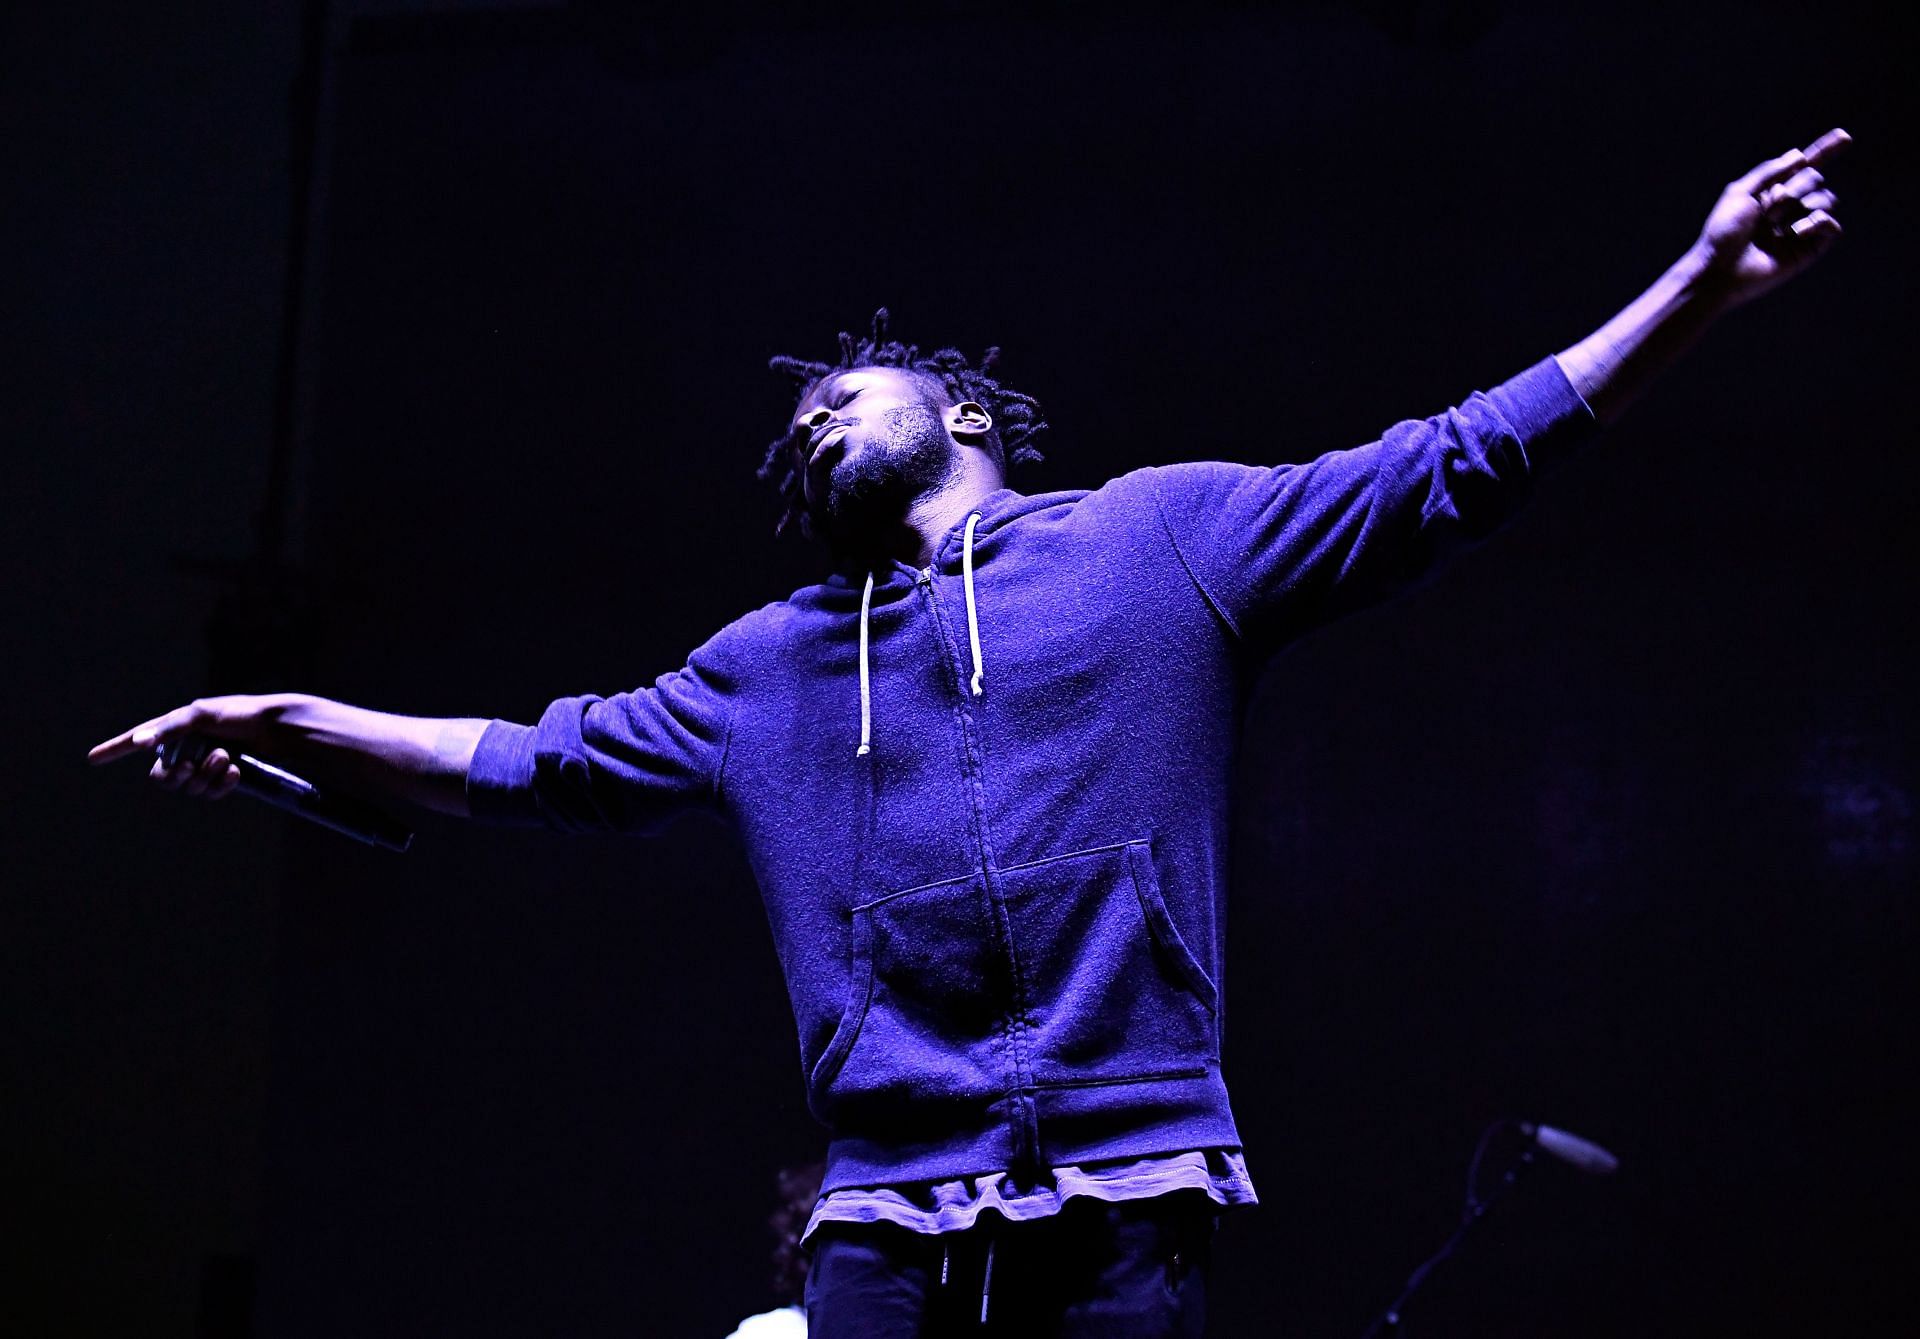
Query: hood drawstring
[
  {"x": 866, "y": 689},
  {"x": 978, "y": 682},
  {"x": 973, "y": 614}
]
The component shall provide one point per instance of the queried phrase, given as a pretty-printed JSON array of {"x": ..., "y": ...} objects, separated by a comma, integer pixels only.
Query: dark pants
[{"x": 1135, "y": 1270}]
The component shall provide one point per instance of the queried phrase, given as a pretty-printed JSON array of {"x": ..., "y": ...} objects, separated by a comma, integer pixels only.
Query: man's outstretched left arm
[
  {"x": 1766, "y": 227},
  {"x": 1278, "y": 550}
]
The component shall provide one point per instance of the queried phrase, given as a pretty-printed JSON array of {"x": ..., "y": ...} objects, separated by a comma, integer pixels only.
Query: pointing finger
[
  {"x": 145, "y": 735},
  {"x": 128, "y": 742},
  {"x": 1828, "y": 145},
  {"x": 1776, "y": 170}
]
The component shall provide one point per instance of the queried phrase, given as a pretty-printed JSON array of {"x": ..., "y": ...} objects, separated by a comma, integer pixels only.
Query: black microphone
[
  {"x": 1571, "y": 1149},
  {"x": 298, "y": 796}
]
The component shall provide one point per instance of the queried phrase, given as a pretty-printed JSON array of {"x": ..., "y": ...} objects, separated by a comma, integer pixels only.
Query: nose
[{"x": 812, "y": 422}]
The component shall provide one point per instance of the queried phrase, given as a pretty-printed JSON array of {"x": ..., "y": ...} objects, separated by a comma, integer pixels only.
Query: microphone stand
[{"x": 1388, "y": 1323}]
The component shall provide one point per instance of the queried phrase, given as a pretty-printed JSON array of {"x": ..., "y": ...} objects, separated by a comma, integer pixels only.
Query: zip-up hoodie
[{"x": 986, "y": 801}]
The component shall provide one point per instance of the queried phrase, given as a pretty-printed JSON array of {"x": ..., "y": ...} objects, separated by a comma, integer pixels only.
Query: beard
[{"x": 869, "y": 490}]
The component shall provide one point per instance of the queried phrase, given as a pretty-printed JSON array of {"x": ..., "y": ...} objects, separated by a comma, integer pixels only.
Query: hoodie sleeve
[
  {"x": 627, "y": 763},
  {"x": 1279, "y": 550}
]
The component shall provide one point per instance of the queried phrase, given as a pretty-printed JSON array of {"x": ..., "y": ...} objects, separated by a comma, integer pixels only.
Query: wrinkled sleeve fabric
[
  {"x": 628, "y": 763},
  {"x": 1279, "y": 550}
]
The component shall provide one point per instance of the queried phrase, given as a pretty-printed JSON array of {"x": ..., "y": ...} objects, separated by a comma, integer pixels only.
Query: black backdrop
[{"x": 1611, "y": 827}]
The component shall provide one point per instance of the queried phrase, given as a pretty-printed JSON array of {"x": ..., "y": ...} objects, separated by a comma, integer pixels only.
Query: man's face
[{"x": 868, "y": 443}]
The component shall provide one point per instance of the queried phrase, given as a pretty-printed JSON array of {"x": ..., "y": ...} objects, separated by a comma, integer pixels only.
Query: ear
[{"x": 969, "y": 423}]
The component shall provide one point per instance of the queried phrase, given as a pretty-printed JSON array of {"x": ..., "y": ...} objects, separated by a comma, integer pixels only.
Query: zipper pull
[{"x": 924, "y": 577}]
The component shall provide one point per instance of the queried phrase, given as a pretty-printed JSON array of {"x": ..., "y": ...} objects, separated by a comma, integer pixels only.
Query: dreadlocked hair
[{"x": 1016, "y": 417}]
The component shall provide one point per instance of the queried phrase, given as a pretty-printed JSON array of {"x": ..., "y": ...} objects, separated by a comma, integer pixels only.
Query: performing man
[{"x": 981, "y": 775}]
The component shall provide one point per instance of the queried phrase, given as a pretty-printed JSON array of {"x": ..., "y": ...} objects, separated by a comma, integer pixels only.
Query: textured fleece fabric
[{"x": 1002, "y": 928}]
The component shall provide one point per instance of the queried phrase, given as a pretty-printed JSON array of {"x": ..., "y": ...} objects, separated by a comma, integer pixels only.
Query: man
[{"x": 981, "y": 777}]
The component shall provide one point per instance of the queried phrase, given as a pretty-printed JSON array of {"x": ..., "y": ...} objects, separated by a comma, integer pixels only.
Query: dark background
[{"x": 1611, "y": 827}]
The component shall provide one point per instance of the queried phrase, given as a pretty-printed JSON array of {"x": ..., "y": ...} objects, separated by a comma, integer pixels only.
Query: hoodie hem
[{"x": 1160, "y": 1114}]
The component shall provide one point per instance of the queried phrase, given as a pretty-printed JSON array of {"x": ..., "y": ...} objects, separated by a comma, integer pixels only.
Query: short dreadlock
[{"x": 1016, "y": 417}]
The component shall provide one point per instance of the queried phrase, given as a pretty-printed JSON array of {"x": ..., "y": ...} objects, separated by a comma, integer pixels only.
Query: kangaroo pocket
[
  {"x": 1112, "y": 992},
  {"x": 926, "y": 1006}
]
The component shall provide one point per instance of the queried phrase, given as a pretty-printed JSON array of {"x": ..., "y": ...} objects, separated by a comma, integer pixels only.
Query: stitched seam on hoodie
[
  {"x": 1173, "y": 542},
  {"x": 726, "y": 748},
  {"x": 1157, "y": 1076},
  {"x": 873, "y": 902}
]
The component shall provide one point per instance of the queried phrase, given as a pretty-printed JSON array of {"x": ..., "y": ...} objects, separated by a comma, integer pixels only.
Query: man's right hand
[
  {"x": 237, "y": 722},
  {"x": 371, "y": 755}
]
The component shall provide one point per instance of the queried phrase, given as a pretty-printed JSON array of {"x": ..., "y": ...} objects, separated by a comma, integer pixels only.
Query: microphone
[
  {"x": 298, "y": 796},
  {"x": 1571, "y": 1149}
]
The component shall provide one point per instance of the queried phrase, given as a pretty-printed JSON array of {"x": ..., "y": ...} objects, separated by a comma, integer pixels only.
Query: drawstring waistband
[
  {"x": 986, "y": 1278},
  {"x": 973, "y": 615},
  {"x": 986, "y": 1281},
  {"x": 977, "y": 684}
]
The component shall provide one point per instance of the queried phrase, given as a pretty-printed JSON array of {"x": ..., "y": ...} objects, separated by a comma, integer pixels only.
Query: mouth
[{"x": 829, "y": 438}]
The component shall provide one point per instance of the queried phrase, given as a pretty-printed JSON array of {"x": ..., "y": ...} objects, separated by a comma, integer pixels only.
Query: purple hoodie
[{"x": 986, "y": 801}]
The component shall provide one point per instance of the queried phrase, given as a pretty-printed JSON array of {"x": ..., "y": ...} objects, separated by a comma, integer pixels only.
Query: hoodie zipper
[{"x": 1024, "y": 1118}]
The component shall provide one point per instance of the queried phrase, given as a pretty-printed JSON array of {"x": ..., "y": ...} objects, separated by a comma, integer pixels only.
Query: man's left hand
[{"x": 1771, "y": 223}]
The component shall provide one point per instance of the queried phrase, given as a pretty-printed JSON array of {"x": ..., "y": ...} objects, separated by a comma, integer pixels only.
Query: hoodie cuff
[
  {"x": 1544, "y": 410},
  {"x": 500, "y": 777}
]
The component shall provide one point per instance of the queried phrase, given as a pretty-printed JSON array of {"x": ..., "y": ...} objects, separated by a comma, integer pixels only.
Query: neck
[
  {"x": 912, "y": 537},
  {"x": 929, "y": 519}
]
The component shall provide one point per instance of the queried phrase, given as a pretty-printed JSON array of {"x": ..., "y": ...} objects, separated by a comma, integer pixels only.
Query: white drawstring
[
  {"x": 973, "y": 640},
  {"x": 866, "y": 691},
  {"x": 973, "y": 614}
]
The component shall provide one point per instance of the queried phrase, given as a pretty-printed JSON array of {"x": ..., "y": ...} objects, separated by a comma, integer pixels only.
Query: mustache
[{"x": 819, "y": 434}]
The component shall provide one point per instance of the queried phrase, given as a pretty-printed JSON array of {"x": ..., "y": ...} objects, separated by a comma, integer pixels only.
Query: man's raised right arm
[{"x": 376, "y": 756}]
